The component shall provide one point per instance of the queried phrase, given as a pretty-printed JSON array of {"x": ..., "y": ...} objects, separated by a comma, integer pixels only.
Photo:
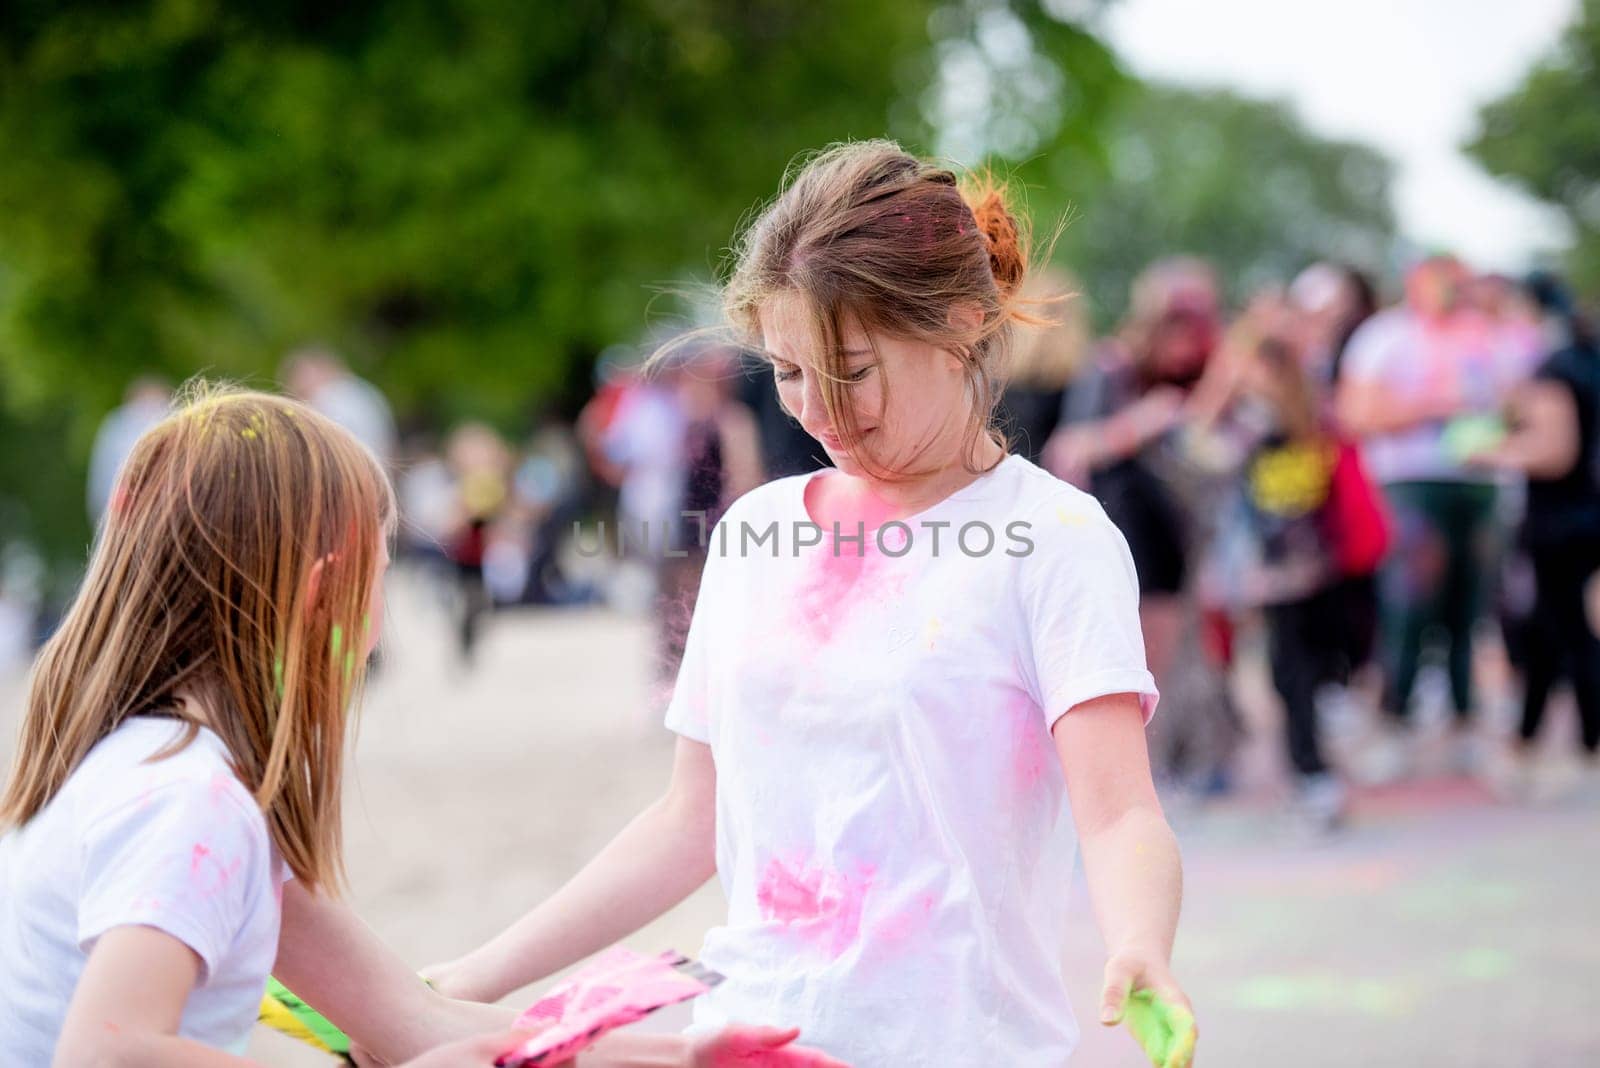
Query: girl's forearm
[
  {"x": 1135, "y": 878},
  {"x": 331, "y": 958},
  {"x": 659, "y": 859},
  {"x": 147, "y": 1051},
  {"x": 627, "y": 1049}
]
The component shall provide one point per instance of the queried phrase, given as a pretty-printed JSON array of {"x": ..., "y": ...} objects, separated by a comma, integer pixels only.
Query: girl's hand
[
  {"x": 450, "y": 979},
  {"x": 756, "y": 1047},
  {"x": 1140, "y": 989},
  {"x": 451, "y": 1022}
]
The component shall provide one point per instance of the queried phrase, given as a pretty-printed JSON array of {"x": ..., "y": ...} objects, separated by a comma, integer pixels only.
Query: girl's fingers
[
  {"x": 769, "y": 1037},
  {"x": 1182, "y": 1055},
  {"x": 1120, "y": 976}
]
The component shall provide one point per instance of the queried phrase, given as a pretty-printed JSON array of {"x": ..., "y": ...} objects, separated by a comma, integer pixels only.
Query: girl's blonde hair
[
  {"x": 234, "y": 566},
  {"x": 871, "y": 235}
]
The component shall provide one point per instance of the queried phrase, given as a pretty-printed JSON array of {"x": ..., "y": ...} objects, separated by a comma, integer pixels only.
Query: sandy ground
[{"x": 1440, "y": 928}]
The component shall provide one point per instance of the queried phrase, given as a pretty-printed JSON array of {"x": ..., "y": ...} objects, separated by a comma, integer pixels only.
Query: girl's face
[{"x": 919, "y": 421}]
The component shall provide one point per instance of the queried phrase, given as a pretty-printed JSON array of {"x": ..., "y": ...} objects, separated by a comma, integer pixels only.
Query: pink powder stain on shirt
[
  {"x": 824, "y": 906},
  {"x": 1031, "y": 748},
  {"x": 220, "y": 783},
  {"x": 906, "y": 923},
  {"x": 829, "y": 588},
  {"x": 207, "y": 872},
  {"x": 844, "y": 569}
]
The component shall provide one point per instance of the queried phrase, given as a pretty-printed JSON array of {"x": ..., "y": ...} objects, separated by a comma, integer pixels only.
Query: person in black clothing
[
  {"x": 1260, "y": 403},
  {"x": 1333, "y": 300},
  {"x": 1555, "y": 441}
]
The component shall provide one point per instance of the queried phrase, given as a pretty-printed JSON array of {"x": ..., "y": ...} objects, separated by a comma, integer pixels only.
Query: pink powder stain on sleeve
[
  {"x": 207, "y": 873},
  {"x": 220, "y": 783},
  {"x": 823, "y": 906}
]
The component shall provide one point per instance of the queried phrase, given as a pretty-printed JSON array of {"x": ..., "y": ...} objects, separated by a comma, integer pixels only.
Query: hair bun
[{"x": 1004, "y": 239}]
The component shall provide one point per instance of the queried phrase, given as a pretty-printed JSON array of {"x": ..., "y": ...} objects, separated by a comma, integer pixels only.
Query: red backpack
[{"x": 1357, "y": 517}]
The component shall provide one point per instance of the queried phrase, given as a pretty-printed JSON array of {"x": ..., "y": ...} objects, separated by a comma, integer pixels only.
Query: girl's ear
[
  {"x": 314, "y": 580},
  {"x": 965, "y": 316}
]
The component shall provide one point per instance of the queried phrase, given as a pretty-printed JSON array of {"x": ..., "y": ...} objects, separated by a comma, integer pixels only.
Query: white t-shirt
[
  {"x": 175, "y": 844},
  {"x": 892, "y": 828},
  {"x": 1409, "y": 360}
]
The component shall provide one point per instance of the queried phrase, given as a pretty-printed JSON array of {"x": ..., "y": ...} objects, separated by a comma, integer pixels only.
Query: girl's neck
[{"x": 878, "y": 501}]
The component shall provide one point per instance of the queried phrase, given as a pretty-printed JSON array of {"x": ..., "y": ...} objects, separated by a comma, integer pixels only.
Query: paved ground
[{"x": 1440, "y": 929}]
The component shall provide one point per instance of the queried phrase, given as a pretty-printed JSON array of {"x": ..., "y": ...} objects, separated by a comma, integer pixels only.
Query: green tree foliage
[
  {"x": 471, "y": 199},
  {"x": 1241, "y": 182},
  {"x": 1545, "y": 136}
]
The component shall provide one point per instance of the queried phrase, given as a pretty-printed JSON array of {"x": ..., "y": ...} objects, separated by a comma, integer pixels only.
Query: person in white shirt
[
  {"x": 897, "y": 677},
  {"x": 171, "y": 822}
]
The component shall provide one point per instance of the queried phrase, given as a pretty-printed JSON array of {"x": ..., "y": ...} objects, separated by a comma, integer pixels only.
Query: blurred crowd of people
[
  {"x": 1371, "y": 484},
  {"x": 1362, "y": 486}
]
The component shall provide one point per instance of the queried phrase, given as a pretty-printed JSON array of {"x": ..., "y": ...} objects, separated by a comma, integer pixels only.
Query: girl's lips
[{"x": 832, "y": 440}]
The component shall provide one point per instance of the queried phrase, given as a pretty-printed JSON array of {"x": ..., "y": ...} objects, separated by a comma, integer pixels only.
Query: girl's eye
[
  {"x": 785, "y": 374},
  {"x": 859, "y": 375}
]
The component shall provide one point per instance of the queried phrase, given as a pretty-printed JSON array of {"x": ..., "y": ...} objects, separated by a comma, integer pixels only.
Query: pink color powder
[
  {"x": 822, "y": 906},
  {"x": 1031, "y": 748},
  {"x": 908, "y": 923},
  {"x": 617, "y": 988},
  {"x": 207, "y": 872}
]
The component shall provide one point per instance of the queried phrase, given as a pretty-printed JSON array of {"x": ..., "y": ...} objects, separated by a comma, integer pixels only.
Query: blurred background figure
[
  {"x": 480, "y": 468},
  {"x": 720, "y": 453},
  {"x": 1268, "y": 419},
  {"x": 145, "y": 403},
  {"x": 1116, "y": 439},
  {"x": 1116, "y": 418},
  {"x": 1553, "y": 440},
  {"x": 1333, "y": 300},
  {"x": 1419, "y": 385},
  {"x": 551, "y": 486},
  {"x": 1044, "y": 360},
  {"x": 318, "y": 376}
]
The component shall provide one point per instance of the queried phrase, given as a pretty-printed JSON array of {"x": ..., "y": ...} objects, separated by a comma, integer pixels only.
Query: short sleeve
[
  {"x": 1080, "y": 601},
  {"x": 183, "y": 858}
]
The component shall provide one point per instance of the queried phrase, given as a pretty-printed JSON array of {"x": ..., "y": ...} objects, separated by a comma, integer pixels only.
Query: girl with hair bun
[{"x": 912, "y": 684}]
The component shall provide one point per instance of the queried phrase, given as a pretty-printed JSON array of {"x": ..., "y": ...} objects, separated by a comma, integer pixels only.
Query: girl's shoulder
[{"x": 148, "y": 763}]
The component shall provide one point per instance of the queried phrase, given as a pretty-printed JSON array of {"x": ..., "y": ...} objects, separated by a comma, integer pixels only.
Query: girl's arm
[
  {"x": 333, "y": 960},
  {"x": 128, "y": 1004},
  {"x": 667, "y": 852},
  {"x": 1366, "y": 406},
  {"x": 1544, "y": 441},
  {"x": 1130, "y": 860},
  {"x": 129, "y": 1001}
]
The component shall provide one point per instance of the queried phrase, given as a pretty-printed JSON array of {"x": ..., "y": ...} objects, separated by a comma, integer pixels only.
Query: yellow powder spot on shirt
[
  {"x": 932, "y": 630},
  {"x": 1071, "y": 519}
]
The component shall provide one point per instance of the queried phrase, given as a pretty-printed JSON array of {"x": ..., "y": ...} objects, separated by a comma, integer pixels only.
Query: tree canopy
[
  {"x": 1544, "y": 135},
  {"x": 471, "y": 200}
]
